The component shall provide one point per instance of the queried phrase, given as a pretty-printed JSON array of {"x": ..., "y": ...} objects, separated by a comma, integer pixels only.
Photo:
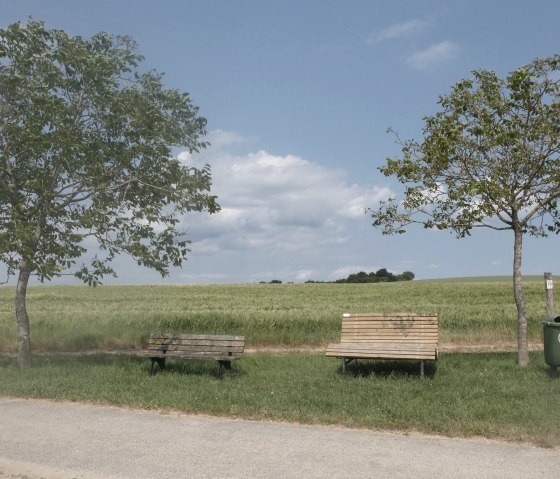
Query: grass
[
  {"x": 74, "y": 318},
  {"x": 484, "y": 394},
  {"x": 464, "y": 395}
]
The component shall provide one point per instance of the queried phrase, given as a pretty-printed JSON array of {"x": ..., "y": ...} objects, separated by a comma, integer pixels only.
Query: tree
[
  {"x": 86, "y": 146},
  {"x": 407, "y": 276},
  {"x": 490, "y": 158}
]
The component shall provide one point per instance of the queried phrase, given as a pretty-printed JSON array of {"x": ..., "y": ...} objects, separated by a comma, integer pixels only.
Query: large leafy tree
[
  {"x": 490, "y": 158},
  {"x": 86, "y": 142}
]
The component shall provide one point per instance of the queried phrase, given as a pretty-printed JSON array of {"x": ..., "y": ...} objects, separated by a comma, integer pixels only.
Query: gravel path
[{"x": 59, "y": 440}]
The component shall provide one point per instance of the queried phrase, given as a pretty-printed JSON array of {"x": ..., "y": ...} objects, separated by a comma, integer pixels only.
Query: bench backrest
[
  {"x": 390, "y": 328},
  {"x": 196, "y": 344}
]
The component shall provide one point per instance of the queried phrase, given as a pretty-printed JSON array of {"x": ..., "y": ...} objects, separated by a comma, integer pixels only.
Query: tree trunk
[
  {"x": 24, "y": 331},
  {"x": 522, "y": 345}
]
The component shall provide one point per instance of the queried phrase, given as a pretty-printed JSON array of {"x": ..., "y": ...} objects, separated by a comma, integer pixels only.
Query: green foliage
[
  {"x": 86, "y": 143},
  {"x": 489, "y": 158},
  {"x": 380, "y": 276}
]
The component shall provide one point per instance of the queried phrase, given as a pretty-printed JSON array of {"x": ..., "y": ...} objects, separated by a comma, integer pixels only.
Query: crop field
[
  {"x": 464, "y": 394},
  {"x": 75, "y": 318}
]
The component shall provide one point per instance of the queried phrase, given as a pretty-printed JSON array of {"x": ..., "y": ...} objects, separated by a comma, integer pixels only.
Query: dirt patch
[{"x": 486, "y": 347}]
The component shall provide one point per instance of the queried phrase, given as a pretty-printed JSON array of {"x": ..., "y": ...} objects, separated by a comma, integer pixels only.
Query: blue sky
[{"x": 299, "y": 96}]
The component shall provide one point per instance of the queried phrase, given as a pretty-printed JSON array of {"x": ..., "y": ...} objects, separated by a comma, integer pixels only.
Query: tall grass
[{"x": 71, "y": 318}]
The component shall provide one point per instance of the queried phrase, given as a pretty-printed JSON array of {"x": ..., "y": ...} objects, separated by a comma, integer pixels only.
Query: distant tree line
[{"x": 380, "y": 276}]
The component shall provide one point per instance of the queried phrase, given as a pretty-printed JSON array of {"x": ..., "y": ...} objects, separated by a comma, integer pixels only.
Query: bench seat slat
[
  {"x": 412, "y": 351},
  {"x": 221, "y": 341},
  {"x": 188, "y": 355},
  {"x": 374, "y": 327},
  {"x": 387, "y": 338},
  {"x": 386, "y": 321},
  {"x": 397, "y": 316},
  {"x": 209, "y": 350},
  {"x": 176, "y": 337},
  {"x": 202, "y": 344},
  {"x": 389, "y": 343},
  {"x": 402, "y": 334}
]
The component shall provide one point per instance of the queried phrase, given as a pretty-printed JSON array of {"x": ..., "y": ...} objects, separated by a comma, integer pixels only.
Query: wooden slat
[
  {"x": 207, "y": 349},
  {"x": 194, "y": 346},
  {"x": 388, "y": 324},
  {"x": 429, "y": 355},
  {"x": 202, "y": 343},
  {"x": 393, "y": 327},
  {"x": 178, "y": 355},
  {"x": 404, "y": 319},
  {"x": 388, "y": 315},
  {"x": 385, "y": 341},
  {"x": 374, "y": 347},
  {"x": 392, "y": 316},
  {"x": 382, "y": 354},
  {"x": 390, "y": 332},
  {"x": 202, "y": 337},
  {"x": 412, "y": 336},
  {"x": 387, "y": 336},
  {"x": 387, "y": 351}
]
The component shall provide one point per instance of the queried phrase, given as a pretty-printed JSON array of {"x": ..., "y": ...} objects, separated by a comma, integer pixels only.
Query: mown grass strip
[{"x": 463, "y": 395}]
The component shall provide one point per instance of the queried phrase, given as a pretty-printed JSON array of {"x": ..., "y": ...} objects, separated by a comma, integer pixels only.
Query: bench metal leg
[
  {"x": 160, "y": 362},
  {"x": 221, "y": 366},
  {"x": 346, "y": 361},
  {"x": 422, "y": 369}
]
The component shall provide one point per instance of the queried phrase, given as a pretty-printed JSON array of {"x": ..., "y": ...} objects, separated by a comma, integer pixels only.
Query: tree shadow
[
  {"x": 192, "y": 367},
  {"x": 550, "y": 372},
  {"x": 196, "y": 367}
]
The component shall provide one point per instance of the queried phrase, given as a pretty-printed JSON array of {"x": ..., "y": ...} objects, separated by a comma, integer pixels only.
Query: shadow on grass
[
  {"x": 385, "y": 369},
  {"x": 551, "y": 372},
  {"x": 124, "y": 361},
  {"x": 196, "y": 367}
]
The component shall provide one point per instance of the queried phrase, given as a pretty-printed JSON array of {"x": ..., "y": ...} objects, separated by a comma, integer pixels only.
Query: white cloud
[
  {"x": 345, "y": 271},
  {"x": 433, "y": 55},
  {"x": 304, "y": 274},
  {"x": 220, "y": 138},
  {"x": 400, "y": 30},
  {"x": 205, "y": 278},
  {"x": 276, "y": 205}
]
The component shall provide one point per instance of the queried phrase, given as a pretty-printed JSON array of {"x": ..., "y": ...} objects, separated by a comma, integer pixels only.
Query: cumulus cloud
[
  {"x": 278, "y": 205},
  {"x": 399, "y": 30},
  {"x": 346, "y": 271},
  {"x": 433, "y": 55}
]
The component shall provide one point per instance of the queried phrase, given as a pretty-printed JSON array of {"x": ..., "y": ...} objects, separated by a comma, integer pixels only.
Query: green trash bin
[{"x": 551, "y": 330}]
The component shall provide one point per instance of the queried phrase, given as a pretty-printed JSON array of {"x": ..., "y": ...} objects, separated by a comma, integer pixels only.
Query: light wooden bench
[
  {"x": 387, "y": 336},
  {"x": 223, "y": 349}
]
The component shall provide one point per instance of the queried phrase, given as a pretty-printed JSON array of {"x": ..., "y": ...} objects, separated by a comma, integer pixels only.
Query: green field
[
  {"x": 464, "y": 394},
  {"x": 74, "y": 318}
]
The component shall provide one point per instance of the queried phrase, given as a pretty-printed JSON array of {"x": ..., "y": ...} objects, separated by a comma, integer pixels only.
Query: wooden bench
[
  {"x": 223, "y": 349},
  {"x": 387, "y": 336}
]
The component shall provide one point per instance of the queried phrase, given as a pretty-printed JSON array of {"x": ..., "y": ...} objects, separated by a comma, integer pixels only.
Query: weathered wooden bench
[
  {"x": 223, "y": 349},
  {"x": 387, "y": 336}
]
